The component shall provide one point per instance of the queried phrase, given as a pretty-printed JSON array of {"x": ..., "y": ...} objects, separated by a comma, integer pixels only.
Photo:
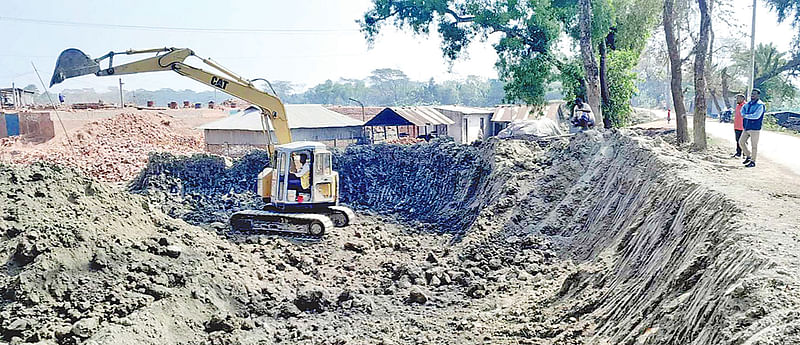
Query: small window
[
  {"x": 281, "y": 173},
  {"x": 320, "y": 164},
  {"x": 324, "y": 163}
]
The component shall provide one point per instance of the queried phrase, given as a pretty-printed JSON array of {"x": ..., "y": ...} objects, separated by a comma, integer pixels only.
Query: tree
[
  {"x": 528, "y": 30},
  {"x": 31, "y": 87},
  {"x": 786, "y": 9},
  {"x": 700, "y": 52},
  {"x": 592, "y": 73},
  {"x": 619, "y": 28},
  {"x": 771, "y": 74},
  {"x": 676, "y": 79},
  {"x": 282, "y": 88},
  {"x": 391, "y": 83}
]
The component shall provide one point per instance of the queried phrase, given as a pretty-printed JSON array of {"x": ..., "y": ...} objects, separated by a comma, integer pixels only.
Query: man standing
[
  {"x": 752, "y": 116},
  {"x": 738, "y": 125}
]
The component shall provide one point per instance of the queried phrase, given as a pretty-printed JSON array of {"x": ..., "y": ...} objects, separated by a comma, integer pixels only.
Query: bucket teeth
[{"x": 73, "y": 63}]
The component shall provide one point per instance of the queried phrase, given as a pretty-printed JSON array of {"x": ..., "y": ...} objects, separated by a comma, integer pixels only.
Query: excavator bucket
[{"x": 73, "y": 63}]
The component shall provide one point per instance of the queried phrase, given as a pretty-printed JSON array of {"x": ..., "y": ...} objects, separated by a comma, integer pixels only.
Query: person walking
[
  {"x": 752, "y": 117},
  {"x": 738, "y": 124}
]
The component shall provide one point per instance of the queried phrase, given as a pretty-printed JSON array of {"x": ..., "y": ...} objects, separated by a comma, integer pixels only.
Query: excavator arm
[{"x": 73, "y": 63}]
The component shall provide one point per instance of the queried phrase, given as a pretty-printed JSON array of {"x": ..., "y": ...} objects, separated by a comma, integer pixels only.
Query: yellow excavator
[{"x": 301, "y": 189}]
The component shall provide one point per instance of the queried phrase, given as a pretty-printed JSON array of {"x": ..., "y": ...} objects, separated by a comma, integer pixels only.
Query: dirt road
[{"x": 777, "y": 148}]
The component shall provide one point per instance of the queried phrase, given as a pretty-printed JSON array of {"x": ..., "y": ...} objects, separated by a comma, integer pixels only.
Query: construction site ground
[{"x": 613, "y": 237}]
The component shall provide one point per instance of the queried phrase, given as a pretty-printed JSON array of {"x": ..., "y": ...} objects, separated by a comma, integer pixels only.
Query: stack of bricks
[{"x": 117, "y": 148}]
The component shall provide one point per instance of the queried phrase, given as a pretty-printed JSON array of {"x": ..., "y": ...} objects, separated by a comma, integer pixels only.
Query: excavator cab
[{"x": 303, "y": 177}]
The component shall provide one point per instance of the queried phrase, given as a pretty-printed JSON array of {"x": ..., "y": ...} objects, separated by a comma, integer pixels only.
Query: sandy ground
[
  {"x": 777, "y": 148},
  {"x": 76, "y": 119}
]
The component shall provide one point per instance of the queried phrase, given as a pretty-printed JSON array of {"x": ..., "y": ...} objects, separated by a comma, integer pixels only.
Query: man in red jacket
[{"x": 738, "y": 124}]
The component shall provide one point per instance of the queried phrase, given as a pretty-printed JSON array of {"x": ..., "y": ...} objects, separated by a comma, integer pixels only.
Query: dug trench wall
[
  {"x": 661, "y": 254},
  {"x": 441, "y": 183}
]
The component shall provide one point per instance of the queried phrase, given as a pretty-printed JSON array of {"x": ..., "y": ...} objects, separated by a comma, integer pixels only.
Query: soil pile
[
  {"x": 114, "y": 149},
  {"x": 606, "y": 238},
  {"x": 201, "y": 188},
  {"x": 89, "y": 264}
]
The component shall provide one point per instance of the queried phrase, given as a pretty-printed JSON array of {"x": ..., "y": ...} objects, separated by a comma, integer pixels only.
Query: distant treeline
[{"x": 382, "y": 88}]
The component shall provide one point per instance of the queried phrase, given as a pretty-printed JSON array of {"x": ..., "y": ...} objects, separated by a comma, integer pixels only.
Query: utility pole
[
  {"x": 363, "y": 114},
  {"x": 750, "y": 85},
  {"x": 121, "y": 100}
]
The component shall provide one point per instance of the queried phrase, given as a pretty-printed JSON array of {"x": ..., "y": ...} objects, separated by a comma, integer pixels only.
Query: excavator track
[
  {"x": 340, "y": 215},
  {"x": 299, "y": 225}
]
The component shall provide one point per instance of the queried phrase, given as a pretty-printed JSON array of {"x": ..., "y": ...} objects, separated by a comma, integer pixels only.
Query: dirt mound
[
  {"x": 114, "y": 149},
  {"x": 200, "y": 188},
  {"x": 604, "y": 238},
  {"x": 89, "y": 263}
]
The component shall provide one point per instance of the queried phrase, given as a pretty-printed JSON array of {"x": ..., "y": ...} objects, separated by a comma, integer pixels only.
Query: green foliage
[
  {"x": 768, "y": 58},
  {"x": 633, "y": 22},
  {"x": 384, "y": 87},
  {"x": 572, "y": 74},
  {"x": 530, "y": 30},
  {"x": 787, "y": 9},
  {"x": 622, "y": 84}
]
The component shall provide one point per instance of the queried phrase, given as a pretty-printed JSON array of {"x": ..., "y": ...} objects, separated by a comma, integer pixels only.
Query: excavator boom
[{"x": 74, "y": 63}]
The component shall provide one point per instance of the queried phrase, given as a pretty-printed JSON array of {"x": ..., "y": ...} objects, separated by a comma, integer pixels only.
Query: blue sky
[{"x": 330, "y": 48}]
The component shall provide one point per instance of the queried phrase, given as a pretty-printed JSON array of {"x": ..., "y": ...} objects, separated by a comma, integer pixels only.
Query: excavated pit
[{"x": 606, "y": 238}]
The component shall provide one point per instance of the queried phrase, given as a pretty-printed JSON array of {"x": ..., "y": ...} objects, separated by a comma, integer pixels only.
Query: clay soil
[{"x": 112, "y": 145}]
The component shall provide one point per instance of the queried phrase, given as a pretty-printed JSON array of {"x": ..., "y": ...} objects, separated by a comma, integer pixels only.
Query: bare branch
[{"x": 460, "y": 18}]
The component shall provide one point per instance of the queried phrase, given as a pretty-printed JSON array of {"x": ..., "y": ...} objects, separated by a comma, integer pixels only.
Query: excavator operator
[{"x": 300, "y": 180}]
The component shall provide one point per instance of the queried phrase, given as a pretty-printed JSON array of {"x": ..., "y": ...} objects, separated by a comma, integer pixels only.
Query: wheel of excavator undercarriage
[
  {"x": 316, "y": 228},
  {"x": 339, "y": 219}
]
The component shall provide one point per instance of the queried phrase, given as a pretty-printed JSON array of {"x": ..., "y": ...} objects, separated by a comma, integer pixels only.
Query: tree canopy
[{"x": 528, "y": 33}]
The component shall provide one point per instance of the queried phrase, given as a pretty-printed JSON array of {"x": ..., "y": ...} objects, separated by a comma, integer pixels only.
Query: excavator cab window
[
  {"x": 281, "y": 162},
  {"x": 300, "y": 171},
  {"x": 323, "y": 166}
]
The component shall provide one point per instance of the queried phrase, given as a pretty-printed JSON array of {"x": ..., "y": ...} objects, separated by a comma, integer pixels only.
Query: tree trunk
[
  {"x": 700, "y": 77},
  {"x": 712, "y": 91},
  {"x": 605, "y": 93},
  {"x": 673, "y": 49},
  {"x": 589, "y": 63},
  {"x": 726, "y": 94}
]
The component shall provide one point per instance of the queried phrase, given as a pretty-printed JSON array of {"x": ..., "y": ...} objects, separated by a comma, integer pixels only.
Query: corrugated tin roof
[
  {"x": 511, "y": 113},
  {"x": 465, "y": 110},
  {"x": 355, "y": 111},
  {"x": 299, "y": 116},
  {"x": 421, "y": 116}
]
